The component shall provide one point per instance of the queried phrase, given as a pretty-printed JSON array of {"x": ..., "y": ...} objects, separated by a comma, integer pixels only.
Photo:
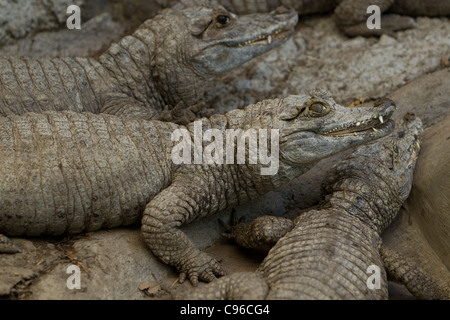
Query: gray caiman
[
  {"x": 332, "y": 252},
  {"x": 158, "y": 73},
  {"x": 67, "y": 172}
]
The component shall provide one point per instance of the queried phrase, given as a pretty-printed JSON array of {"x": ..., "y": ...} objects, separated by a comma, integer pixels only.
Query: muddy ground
[{"x": 412, "y": 68}]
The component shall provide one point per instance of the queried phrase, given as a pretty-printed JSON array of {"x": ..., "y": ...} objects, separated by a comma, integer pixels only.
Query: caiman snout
[
  {"x": 387, "y": 105},
  {"x": 363, "y": 120}
]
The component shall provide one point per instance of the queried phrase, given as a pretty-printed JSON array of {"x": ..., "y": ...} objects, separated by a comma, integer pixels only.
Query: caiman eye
[
  {"x": 291, "y": 113},
  {"x": 318, "y": 109},
  {"x": 222, "y": 20}
]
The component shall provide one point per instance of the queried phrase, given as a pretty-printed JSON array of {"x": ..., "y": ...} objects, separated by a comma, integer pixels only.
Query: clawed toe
[
  {"x": 200, "y": 268},
  {"x": 6, "y": 246}
]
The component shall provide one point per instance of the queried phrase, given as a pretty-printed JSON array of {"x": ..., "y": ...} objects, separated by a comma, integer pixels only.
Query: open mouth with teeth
[
  {"x": 359, "y": 128},
  {"x": 266, "y": 39}
]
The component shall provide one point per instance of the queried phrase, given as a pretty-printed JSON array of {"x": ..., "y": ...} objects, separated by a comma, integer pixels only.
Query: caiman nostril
[{"x": 388, "y": 106}]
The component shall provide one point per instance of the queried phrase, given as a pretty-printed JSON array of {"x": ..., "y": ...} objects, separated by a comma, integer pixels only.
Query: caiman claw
[
  {"x": 197, "y": 265},
  {"x": 181, "y": 114}
]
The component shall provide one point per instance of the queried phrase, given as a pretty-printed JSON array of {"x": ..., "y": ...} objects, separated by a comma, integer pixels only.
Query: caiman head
[
  {"x": 221, "y": 40},
  {"x": 314, "y": 127},
  {"x": 307, "y": 128},
  {"x": 373, "y": 182},
  {"x": 194, "y": 45},
  {"x": 397, "y": 154}
]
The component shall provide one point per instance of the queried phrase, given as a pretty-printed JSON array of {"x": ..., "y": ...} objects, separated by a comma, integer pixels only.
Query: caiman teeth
[
  {"x": 356, "y": 127},
  {"x": 265, "y": 39}
]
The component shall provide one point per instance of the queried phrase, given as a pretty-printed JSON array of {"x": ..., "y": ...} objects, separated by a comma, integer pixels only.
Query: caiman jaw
[
  {"x": 358, "y": 128},
  {"x": 366, "y": 126},
  {"x": 266, "y": 39}
]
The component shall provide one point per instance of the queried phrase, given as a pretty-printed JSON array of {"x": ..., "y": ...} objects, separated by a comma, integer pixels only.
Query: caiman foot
[
  {"x": 196, "y": 265},
  {"x": 6, "y": 246},
  {"x": 230, "y": 228},
  {"x": 181, "y": 114},
  {"x": 260, "y": 234}
]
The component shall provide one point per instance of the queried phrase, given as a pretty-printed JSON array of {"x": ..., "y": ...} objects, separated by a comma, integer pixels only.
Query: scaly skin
[
  {"x": 66, "y": 172},
  {"x": 416, "y": 280},
  {"x": 350, "y": 15},
  {"x": 327, "y": 252},
  {"x": 158, "y": 72},
  {"x": 260, "y": 234}
]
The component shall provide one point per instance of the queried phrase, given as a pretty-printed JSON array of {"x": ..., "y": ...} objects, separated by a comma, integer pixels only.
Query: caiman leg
[
  {"x": 125, "y": 106},
  {"x": 415, "y": 279},
  {"x": 269, "y": 229},
  {"x": 176, "y": 205}
]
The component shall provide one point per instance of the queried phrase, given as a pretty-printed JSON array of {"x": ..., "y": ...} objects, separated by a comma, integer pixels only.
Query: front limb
[
  {"x": 260, "y": 234},
  {"x": 183, "y": 115},
  {"x": 418, "y": 282},
  {"x": 182, "y": 202},
  {"x": 125, "y": 106},
  {"x": 265, "y": 231}
]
